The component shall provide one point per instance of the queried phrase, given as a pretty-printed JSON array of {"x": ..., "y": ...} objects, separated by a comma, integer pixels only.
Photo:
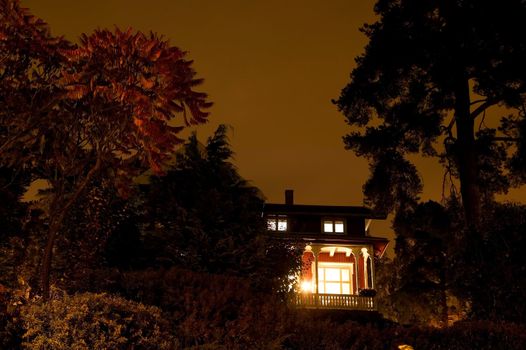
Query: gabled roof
[{"x": 324, "y": 210}]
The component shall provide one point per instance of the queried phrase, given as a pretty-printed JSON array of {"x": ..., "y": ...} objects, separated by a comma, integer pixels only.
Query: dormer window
[
  {"x": 333, "y": 226},
  {"x": 277, "y": 223}
]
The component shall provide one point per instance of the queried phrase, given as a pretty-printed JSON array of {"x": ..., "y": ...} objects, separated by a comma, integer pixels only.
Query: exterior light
[{"x": 306, "y": 286}]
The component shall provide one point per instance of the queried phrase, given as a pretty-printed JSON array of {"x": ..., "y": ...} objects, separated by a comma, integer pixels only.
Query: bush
[
  {"x": 210, "y": 310},
  {"x": 367, "y": 292},
  {"x": 10, "y": 328},
  {"x": 466, "y": 335},
  {"x": 94, "y": 321}
]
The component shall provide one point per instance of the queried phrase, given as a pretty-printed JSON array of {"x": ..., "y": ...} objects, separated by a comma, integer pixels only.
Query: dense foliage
[
  {"x": 443, "y": 271},
  {"x": 430, "y": 72},
  {"x": 110, "y": 107},
  {"x": 204, "y": 216},
  {"x": 204, "y": 311},
  {"x": 94, "y": 321}
]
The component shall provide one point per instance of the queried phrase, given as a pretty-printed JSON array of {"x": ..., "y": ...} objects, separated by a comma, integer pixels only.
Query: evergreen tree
[{"x": 429, "y": 74}]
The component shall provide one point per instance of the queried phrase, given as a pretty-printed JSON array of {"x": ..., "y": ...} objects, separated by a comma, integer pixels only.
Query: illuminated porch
[{"x": 334, "y": 277}]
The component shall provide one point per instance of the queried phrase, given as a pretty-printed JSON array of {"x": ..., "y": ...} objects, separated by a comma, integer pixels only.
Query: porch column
[{"x": 316, "y": 252}]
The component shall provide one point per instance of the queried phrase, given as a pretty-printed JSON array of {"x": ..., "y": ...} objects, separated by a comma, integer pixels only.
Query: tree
[
  {"x": 204, "y": 216},
  {"x": 76, "y": 113},
  {"x": 487, "y": 269},
  {"x": 429, "y": 74},
  {"x": 416, "y": 292}
]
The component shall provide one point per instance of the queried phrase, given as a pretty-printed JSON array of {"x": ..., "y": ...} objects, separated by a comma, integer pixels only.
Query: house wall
[{"x": 355, "y": 226}]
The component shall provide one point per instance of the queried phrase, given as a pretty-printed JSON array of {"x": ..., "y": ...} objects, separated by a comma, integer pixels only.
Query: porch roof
[{"x": 379, "y": 243}]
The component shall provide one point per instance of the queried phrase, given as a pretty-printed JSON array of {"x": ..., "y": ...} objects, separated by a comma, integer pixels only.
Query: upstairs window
[
  {"x": 333, "y": 226},
  {"x": 277, "y": 223}
]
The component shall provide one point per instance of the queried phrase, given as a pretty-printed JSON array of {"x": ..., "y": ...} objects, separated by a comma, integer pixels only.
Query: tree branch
[
  {"x": 478, "y": 101},
  {"x": 483, "y": 107}
]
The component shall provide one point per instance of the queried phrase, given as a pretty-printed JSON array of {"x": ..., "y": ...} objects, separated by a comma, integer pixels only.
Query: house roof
[{"x": 329, "y": 210}]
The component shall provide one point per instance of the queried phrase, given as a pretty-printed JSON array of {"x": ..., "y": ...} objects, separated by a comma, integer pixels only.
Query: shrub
[
  {"x": 367, "y": 292},
  {"x": 10, "y": 328},
  {"x": 94, "y": 321},
  {"x": 210, "y": 310}
]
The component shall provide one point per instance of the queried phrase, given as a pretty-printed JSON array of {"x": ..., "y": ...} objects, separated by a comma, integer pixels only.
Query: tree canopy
[
  {"x": 208, "y": 218},
  {"x": 430, "y": 73},
  {"x": 112, "y": 105}
]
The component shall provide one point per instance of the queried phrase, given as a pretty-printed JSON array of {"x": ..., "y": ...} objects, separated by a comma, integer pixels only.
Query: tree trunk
[
  {"x": 466, "y": 155},
  {"x": 59, "y": 210},
  {"x": 48, "y": 255}
]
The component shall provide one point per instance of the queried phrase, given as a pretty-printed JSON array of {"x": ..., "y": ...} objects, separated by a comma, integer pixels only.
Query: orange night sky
[{"x": 271, "y": 67}]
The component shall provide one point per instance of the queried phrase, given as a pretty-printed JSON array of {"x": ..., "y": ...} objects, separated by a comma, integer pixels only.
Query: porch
[{"x": 334, "y": 301}]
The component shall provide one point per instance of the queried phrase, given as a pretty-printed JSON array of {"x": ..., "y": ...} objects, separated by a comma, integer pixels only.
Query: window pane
[
  {"x": 332, "y": 274},
  {"x": 282, "y": 225},
  {"x": 338, "y": 226},
  {"x": 321, "y": 274},
  {"x": 271, "y": 224},
  {"x": 346, "y": 289},
  {"x": 333, "y": 288},
  {"x": 321, "y": 288},
  {"x": 327, "y": 226},
  {"x": 345, "y": 275}
]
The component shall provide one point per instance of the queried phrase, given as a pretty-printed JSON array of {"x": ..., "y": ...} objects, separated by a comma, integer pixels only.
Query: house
[{"x": 338, "y": 260}]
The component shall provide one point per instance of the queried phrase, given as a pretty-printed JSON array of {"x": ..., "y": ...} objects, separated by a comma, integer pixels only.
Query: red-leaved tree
[{"x": 108, "y": 108}]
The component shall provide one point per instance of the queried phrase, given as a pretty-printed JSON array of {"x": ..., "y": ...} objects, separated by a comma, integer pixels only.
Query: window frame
[
  {"x": 341, "y": 267},
  {"x": 276, "y": 218},
  {"x": 333, "y": 222}
]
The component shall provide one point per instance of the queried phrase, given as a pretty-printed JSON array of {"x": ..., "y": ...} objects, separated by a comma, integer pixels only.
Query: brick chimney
[{"x": 289, "y": 197}]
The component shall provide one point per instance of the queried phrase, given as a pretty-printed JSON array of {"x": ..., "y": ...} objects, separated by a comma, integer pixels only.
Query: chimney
[{"x": 289, "y": 197}]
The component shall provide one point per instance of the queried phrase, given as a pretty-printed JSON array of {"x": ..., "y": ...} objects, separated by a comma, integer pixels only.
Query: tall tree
[
  {"x": 208, "y": 218},
  {"x": 110, "y": 107},
  {"x": 429, "y": 74}
]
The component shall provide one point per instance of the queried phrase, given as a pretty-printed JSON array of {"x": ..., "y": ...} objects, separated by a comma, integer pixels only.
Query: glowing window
[
  {"x": 335, "y": 278},
  {"x": 282, "y": 224},
  {"x": 330, "y": 226},
  {"x": 277, "y": 223}
]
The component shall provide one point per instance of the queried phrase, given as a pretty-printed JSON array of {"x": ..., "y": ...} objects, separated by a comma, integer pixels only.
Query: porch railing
[{"x": 334, "y": 301}]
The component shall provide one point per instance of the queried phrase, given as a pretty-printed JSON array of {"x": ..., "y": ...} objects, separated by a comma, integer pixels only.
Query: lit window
[
  {"x": 335, "y": 278},
  {"x": 277, "y": 223},
  {"x": 336, "y": 226},
  {"x": 282, "y": 224}
]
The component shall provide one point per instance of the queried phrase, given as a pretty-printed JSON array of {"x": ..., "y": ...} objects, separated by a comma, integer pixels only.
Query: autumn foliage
[{"x": 111, "y": 106}]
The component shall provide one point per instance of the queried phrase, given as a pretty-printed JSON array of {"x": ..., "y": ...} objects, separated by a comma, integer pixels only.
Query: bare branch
[
  {"x": 483, "y": 107},
  {"x": 478, "y": 101}
]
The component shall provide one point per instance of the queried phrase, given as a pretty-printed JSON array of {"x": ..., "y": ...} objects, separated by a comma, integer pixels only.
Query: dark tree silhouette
[
  {"x": 12, "y": 217},
  {"x": 429, "y": 74},
  {"x": 206, "y": 217},
  {"x": 72, "y": 113}
]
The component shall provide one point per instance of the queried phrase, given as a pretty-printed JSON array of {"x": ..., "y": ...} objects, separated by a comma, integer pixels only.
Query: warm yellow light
[{"x": 306, "y": 286}]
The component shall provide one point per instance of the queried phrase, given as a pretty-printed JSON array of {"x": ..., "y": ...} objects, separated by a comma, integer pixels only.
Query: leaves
[
  {"x": 110, "y": 107},
  {"x": 409, "y": 91}
]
